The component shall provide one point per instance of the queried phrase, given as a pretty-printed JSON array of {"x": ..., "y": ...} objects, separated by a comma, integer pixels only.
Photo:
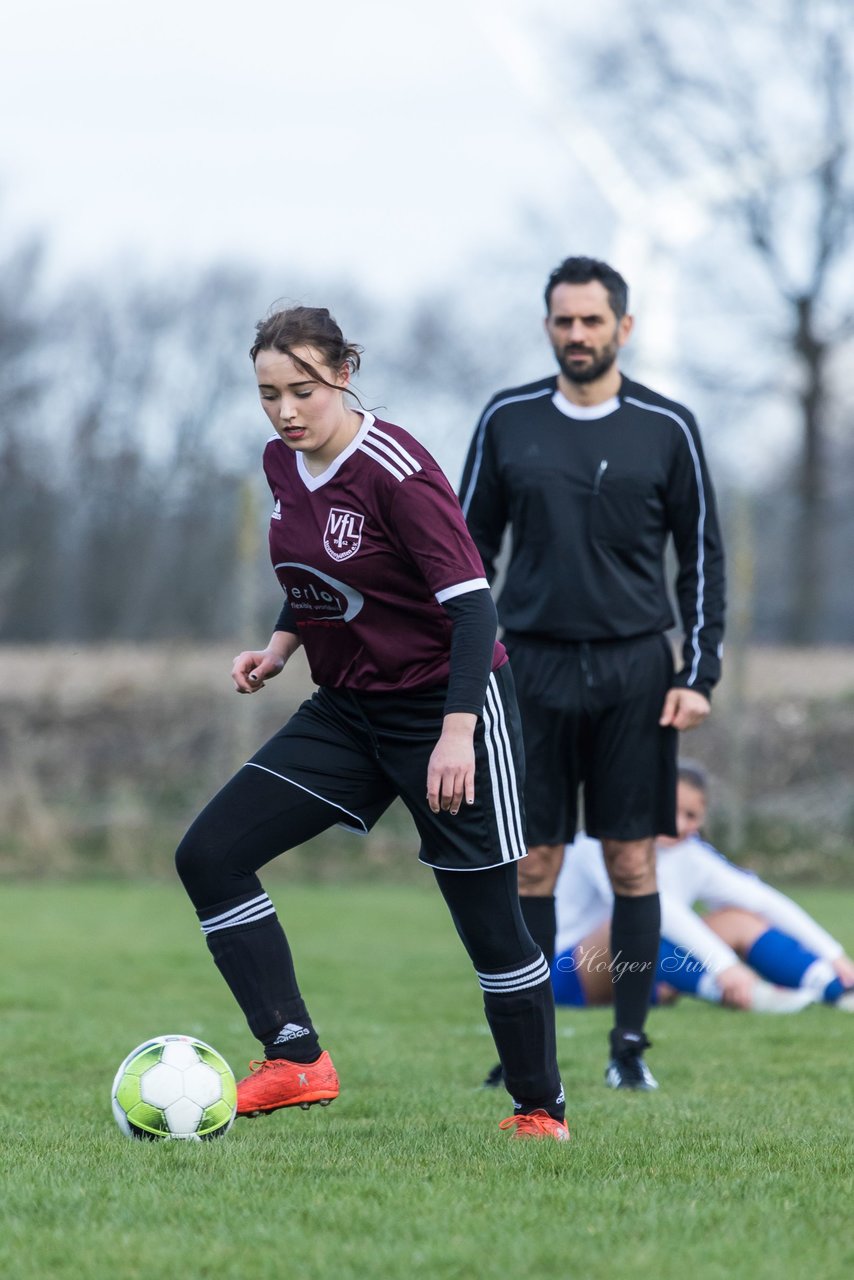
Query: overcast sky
[
  {"x": 384, "y": 141},
  {"x": 392, "y": 146}
]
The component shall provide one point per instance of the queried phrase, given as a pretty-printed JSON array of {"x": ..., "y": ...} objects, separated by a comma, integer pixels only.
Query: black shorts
[
  {"x": 357, "y": 752},
  {"x": 590, "y": 716}
]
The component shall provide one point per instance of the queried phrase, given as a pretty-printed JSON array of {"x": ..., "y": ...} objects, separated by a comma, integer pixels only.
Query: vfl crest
[{"x": 342, "y": 536}]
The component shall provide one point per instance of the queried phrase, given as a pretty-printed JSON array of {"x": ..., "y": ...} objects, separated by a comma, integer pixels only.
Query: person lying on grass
[{"x": 751, "y": 947}]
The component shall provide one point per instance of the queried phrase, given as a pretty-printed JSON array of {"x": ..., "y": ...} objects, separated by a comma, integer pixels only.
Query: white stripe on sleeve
[{"x": 473, "y": 584}]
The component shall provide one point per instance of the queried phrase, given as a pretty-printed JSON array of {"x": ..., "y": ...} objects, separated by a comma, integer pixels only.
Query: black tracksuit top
[{"x": 591, "y": 501}]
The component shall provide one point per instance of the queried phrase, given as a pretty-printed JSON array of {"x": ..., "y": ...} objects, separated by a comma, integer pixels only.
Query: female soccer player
[
  {"x": 386, "y": 592},
  {"x": 752, "y": 949}
]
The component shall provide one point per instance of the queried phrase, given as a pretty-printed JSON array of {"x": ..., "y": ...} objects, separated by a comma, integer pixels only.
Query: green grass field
[{"x": 741, "y": 1166}]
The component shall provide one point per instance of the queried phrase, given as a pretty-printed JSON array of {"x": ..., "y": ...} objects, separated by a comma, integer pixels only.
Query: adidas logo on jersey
[{"x": 277, "y": 511}]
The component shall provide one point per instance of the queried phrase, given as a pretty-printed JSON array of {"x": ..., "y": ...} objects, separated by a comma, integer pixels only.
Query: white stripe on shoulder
[
  {"x": 461, "y": 589},
  {"x": 397, "y": 456},
  {"x": 382, "y": 439},
  {"x": 481, "y": 433},
  {"x": 370, "y": 452},
  {"x": 701, "y": 525}
]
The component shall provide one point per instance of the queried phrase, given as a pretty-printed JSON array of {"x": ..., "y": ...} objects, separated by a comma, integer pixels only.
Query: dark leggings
[{"x": 257, "y": 816}]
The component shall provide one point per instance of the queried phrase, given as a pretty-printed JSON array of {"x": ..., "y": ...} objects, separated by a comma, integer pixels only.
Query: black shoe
[
  {"x": 627, "y": 1069},
  {"x": 495, "y": 1079}
]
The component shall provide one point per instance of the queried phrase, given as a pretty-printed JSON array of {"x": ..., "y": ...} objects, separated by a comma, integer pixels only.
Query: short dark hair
[
  {"x": 692, "y": 772},
  {"x": 582, "y": 271}
]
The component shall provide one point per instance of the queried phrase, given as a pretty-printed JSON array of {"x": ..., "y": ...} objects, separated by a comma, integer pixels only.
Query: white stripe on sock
[
  {"x": 238, "y": 910},
  {"x": 530, "y": 975},
  {"x": 237, "y": 917}
]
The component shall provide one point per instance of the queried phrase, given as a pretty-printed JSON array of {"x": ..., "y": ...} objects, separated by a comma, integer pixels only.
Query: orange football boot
[
  {"x": 276, "y": 1083},
  {"x": 537, "y": 1124}
]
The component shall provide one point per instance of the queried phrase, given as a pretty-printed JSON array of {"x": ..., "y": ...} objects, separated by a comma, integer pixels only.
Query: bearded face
[{"x": 585, "y": 334}]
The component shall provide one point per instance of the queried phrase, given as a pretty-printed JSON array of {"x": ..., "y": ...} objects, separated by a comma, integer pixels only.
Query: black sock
[
  {"x": 540, "y": 917},
  {"x": 251, "y": 952},
  {"x": 635, "y": 939},
  {"x": 519, "y": 1007},
  {"x": 514, "y": 976}
]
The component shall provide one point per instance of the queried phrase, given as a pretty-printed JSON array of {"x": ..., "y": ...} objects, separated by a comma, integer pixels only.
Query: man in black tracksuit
[{"x": 594, "y": 473}]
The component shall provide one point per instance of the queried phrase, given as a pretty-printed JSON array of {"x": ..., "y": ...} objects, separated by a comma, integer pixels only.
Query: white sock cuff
[
  {"x": 818, "y": 976},
  {"x": 708, "y": 989}
]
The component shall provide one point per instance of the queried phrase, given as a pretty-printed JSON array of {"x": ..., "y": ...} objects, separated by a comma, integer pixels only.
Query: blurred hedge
[{"x": 106, "y": 754}]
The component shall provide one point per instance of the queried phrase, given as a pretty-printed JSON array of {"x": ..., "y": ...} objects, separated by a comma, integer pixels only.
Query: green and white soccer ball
[{"x": 174, "y": 1087}]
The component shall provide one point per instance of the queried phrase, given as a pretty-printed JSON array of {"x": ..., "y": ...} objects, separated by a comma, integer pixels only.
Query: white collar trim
[
  {"x": 584, "y": 413},
  {"x": 316, "y": 482}
]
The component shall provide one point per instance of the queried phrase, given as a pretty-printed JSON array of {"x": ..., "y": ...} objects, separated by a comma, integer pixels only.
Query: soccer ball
[{"x": 174, "y": 1087}]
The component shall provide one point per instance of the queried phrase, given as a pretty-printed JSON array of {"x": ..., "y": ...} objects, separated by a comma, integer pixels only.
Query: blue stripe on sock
[
  {"x": 780, "y": 958},
  {"x": 678, "y": 968},
  {"x": 566, "y": 982},
  {"x": 834, "y": 990}
]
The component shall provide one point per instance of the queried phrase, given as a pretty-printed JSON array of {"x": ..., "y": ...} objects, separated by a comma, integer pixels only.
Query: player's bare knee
[
  {"x": 632, "y": 879},
  {"x": 631, "y": 866},
  {"x": 538, "y": 872},
  {"x": 632, "y": 884}
]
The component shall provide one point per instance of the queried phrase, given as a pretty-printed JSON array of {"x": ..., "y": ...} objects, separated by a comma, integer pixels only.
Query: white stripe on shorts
[
  {"x": 502, "y": 773},
  {"x": 359, "y": 828}
]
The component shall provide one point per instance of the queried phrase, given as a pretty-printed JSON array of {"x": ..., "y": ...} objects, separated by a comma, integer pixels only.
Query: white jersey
[{"x": 689, "y": 873}]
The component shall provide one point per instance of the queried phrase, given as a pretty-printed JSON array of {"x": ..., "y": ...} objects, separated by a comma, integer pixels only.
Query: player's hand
[
  {"x": 450, "y": 773},
  {"x": 736, "y": 986},
  {"x": 252, "y": 667},
  {"x": 844, "y": 969},
  {"x": 684, "y": 709}
]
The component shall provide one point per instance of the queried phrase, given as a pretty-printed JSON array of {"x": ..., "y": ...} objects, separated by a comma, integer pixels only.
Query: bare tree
[
  {"x": 131, "y": 442},
  {"x": 750, "y": 108},
  {"x": 24, "y": 368},
  {"x": 124, "y": 433}
]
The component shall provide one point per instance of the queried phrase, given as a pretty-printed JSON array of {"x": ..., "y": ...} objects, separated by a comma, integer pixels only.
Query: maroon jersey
[{"x": 366, "y": 553}]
